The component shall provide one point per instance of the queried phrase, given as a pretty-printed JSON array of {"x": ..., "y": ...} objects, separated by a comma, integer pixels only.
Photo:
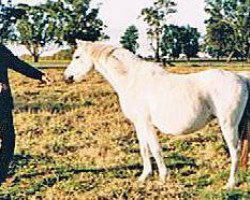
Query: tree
[
  {"x": 171, "y": 41},
  {"x": 8, "y": 17},
  {"x": 220, "y": 38},
  {"x": 76, "y": 19},
  {"x": 156, "y": 17},
  {"x": 129, "y": 39},
  {"x": 177, "y": 40},
  {"x": 190, "y": 41},
  {"x": 228, "y": 27},
  {"x": 34, "y": 30}
]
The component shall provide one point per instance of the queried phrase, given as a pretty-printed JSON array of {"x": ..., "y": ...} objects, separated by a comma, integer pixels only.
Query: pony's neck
[
  {"x": 119, "y": 66},
  {"x": 115, "y": 72}
]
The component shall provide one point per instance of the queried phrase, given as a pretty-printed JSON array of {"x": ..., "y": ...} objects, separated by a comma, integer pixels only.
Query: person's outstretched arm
[{"x": 18, "y": 65}]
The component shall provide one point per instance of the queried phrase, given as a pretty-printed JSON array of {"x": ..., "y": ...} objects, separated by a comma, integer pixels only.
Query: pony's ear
[
  {"x": 79, "y": 41},
  {"x": 82, "y": 42}
]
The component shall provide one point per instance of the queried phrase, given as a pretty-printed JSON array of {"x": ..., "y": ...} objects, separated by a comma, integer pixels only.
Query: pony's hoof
[
  {"x": 143, "y": 177},
  {"x": 230, "y": 185},
  {"x": 163, "y": 176}
]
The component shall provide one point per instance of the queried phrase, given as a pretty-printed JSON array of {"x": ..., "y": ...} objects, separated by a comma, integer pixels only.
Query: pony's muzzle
[{"x": 69, "y": 79}]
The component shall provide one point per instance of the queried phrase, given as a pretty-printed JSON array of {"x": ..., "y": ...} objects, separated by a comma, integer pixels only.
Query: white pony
[{"x": 151, "y": 97}]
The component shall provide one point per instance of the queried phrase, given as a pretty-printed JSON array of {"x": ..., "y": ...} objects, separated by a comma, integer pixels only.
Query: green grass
[{"x": 73, "y": 142}]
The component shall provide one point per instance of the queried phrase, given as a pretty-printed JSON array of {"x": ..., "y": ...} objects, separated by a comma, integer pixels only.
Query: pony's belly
[
  {"x": 181, "y": 121},
  {"x": 181, "y": 126}
]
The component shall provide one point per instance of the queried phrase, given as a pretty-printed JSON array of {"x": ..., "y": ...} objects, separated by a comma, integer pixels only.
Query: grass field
[{"x": 73, "y": 142}]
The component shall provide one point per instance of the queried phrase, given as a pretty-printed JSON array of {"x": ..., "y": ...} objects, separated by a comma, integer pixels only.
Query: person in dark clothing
[{"x": 7, "y": 131}]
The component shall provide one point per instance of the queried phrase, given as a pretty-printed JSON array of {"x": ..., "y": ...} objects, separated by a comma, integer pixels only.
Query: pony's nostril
[{"x": 69, "y": 79}]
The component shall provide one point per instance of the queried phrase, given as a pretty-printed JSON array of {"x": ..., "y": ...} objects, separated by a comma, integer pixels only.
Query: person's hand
[
  {"x": 3, "y": 87},
  {"x": 45, "y": 80}
]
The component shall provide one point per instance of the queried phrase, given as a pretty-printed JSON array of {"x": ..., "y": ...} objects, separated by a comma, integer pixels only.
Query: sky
[{"x": 119, "y": 14}]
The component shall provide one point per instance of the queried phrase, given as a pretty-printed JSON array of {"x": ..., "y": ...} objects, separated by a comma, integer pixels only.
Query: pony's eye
[{"x": 77, "y": 57}]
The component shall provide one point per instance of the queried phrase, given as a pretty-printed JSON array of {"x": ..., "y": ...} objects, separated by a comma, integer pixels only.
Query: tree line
[
  {"x": 61, "y": 22},
  {"x": 228, "y": 28}
]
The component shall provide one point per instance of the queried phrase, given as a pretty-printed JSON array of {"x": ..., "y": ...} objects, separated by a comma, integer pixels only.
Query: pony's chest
[{"x": 133, "y": 106}]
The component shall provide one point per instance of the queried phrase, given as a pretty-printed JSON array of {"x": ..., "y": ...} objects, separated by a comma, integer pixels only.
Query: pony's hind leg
[
  {"x": 148, "y": 138},
  {"x": 229, "y": 120},
  {"x": 231, "y": 137}
]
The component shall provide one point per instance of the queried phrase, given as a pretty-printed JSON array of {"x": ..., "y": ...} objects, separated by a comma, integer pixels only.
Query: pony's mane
[{"x": 100, "y": 50}]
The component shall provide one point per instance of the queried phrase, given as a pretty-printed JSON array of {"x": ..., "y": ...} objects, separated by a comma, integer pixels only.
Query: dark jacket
[{"x": 9, "y": 61}]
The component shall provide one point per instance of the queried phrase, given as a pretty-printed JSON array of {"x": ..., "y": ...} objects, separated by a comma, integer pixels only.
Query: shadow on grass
[
  {"x": 173, "y": 161},
  {"x": 47, "y": 178},
  {"x": 20, "y": 160},
  {"x": 178, "y": 161},
  {"x": 52, "y": 107}
]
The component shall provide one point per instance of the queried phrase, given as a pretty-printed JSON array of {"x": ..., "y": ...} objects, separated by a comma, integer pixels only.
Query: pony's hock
[{"x": 151, "y": 97}]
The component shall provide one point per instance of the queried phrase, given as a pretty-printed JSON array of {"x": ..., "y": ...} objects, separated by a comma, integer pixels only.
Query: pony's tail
[{"x": 244, "y": 130}]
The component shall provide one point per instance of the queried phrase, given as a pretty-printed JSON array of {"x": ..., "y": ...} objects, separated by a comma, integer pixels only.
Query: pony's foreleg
[
  {"x": 144, "y": 149},
  {"x": 231, "y": 137},
  {"x": 148, "y": 135}
]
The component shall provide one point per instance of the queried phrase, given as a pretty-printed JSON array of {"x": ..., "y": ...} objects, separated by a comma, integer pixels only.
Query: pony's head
[{"x": 80, "y": 65}]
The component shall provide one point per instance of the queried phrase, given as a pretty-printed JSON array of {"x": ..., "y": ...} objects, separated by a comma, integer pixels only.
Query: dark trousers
[{"x": 7, "y": 135}]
